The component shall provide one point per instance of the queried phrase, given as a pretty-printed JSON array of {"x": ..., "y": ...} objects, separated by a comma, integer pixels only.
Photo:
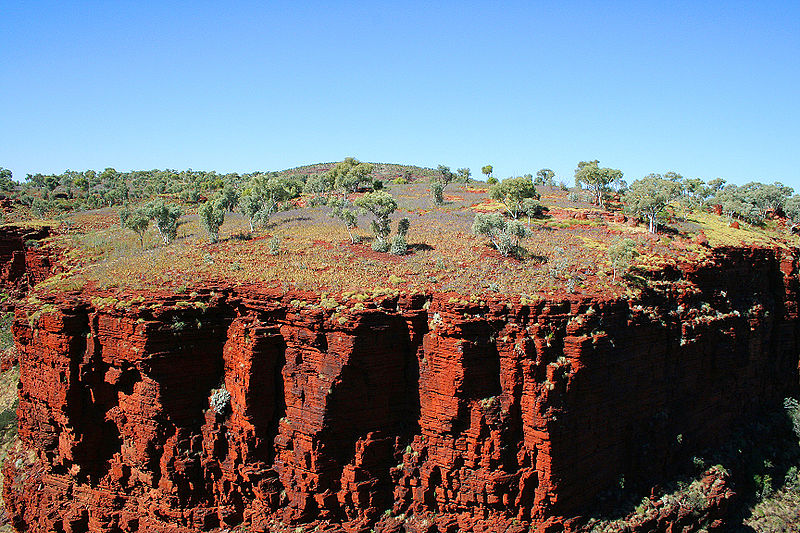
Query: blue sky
[{"x": 708, "y": 89}]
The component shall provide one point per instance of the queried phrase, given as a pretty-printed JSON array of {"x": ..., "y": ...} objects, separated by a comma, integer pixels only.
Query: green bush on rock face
[{"x": 620, "y": 254}]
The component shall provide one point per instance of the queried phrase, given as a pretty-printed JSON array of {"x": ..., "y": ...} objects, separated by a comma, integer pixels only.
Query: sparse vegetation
[
  {"x": 620, "y": 254},
  {"x": 381, "y": 205},
  {"x": 505, "y": 235},
  {"x": 212, "y": 215}
]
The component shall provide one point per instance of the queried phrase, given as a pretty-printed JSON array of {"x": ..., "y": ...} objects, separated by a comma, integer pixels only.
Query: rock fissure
[{"x": 250, "y": 406}]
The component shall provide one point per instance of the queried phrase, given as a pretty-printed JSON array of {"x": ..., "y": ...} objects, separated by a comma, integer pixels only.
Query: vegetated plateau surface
[
  {"x": 288, "y": 378},
  {"x": 566, "y": 249}
]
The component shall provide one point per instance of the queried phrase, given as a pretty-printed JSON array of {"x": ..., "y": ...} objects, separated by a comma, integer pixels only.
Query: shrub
[
  {"x": 575, "y": 196},
  {"x": 342, "y": 209},
  {"x": 136, "y": 221},
  {"x": 402, "y": 226},
  {"x": 212, "y": 215},
  {"x": 275, "y": 245},
  {"x": 166, "y": 217},
  {"x": 220, "y": 400},
  {"x": 381, "y": 205},
  {"x": 532, "y": 208},
  {"x": 504, "y": 235},
  {"x": 399, "y": 246},
  {"x": 491, "y": 180},
  {"x": 620, "y": 254},
  {"x": 380, "y": 246},
  {"x": 437, "y": 193}
]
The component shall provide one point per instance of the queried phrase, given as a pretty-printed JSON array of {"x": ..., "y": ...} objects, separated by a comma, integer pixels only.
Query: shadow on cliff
[{"x": 758, "y": 463}]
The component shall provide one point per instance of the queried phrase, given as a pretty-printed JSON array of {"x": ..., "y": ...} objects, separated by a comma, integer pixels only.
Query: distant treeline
[{"x": 75, "y": 190}]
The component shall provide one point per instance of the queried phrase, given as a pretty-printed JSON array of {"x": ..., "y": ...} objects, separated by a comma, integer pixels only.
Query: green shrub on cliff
[{"x": 620, "y": 254}]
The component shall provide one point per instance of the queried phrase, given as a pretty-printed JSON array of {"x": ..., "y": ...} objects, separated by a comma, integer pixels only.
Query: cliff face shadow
[{"x": 759, "y": 458}]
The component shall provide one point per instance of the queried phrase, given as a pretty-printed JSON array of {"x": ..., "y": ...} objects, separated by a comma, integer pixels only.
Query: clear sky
[{"x": 707, "y": 89}]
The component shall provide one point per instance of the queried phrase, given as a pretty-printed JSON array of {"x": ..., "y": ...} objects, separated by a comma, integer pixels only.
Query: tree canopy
[
  {"x": 6, "y": 179},
  {"x": 381, "y": 205},
  {"x": 512, "y": 191},
  {"x": 166, "y": 217},
  {"x": 650, "y": 195},
  {"x": 597, "y": 179},
  {"x": 545, "y": 176},
  {"x": 350, "y": 174}
]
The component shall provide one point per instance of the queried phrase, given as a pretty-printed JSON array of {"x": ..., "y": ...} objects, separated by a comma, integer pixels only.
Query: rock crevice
[{"x": 187, "y": 413}]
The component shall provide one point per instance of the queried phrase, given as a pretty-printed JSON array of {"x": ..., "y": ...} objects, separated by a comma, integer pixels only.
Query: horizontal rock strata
[{"x": 432, "y": 412}]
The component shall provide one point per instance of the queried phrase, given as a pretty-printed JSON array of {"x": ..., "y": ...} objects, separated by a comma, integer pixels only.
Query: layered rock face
[
  {"x": 425, "y": 412},
  {"x": 21, "y": 265}
]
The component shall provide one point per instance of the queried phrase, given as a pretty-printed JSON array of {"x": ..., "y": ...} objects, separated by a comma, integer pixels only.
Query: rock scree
[{"x": 424, "y": 412}]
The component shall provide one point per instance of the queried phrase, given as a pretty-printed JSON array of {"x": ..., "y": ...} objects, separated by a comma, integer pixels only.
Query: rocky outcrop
[
  {"x": 22, "y": 263},
  {"x": 426, "y": 412}
]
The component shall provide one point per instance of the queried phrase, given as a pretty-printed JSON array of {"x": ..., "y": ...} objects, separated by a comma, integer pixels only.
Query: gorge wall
[
  {"x": 191, "y": 412},
  {"x": 22, "y": 263}
]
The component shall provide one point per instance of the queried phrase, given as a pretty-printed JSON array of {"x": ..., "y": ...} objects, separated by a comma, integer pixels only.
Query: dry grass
[{"x": 564, "y": 252}]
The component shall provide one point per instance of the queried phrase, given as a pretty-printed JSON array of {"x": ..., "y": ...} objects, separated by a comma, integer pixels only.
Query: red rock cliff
[
  {"x": 22, "y": 264},
  {"x": 429, "y": 412}
]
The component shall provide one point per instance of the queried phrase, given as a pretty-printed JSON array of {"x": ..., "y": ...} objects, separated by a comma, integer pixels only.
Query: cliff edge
[{"x": 388, "y": 411}]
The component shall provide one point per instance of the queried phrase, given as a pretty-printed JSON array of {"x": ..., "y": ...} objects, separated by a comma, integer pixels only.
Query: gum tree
[
  {"x": 137, "y": 221},
  {"x": 545, "y": 177},
  {"x": 649, "y": 196},
  {"x": 261, "y": 198},
  {"x": 350, "y": 174},
  {"x": 345, "y": 211},
  {"x": 166, "y": 218},
  {"x": 381, "y": 205},
  {"x": 620, "y": 254},
  {"x": 597, "y": 179},
  {"x": 6, "y": 179},
  {"x": 212, "y": 216},
  {"x": 512, "y": 192},
  {"x": 445, "y": 175}
]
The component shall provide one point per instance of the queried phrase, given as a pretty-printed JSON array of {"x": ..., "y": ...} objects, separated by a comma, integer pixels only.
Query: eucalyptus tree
[
  {"x": 649, "y": 196},
  {"x": 545, "y": 176},
  {"x": 381, "y": 205},
  {"x": 596, "y": 178},
  {"x": 512, "y": 192},
  {"x": 137, "y": 220},
  {"x": 166, "y": 218},
  {"x": 350, "y": 174}
]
